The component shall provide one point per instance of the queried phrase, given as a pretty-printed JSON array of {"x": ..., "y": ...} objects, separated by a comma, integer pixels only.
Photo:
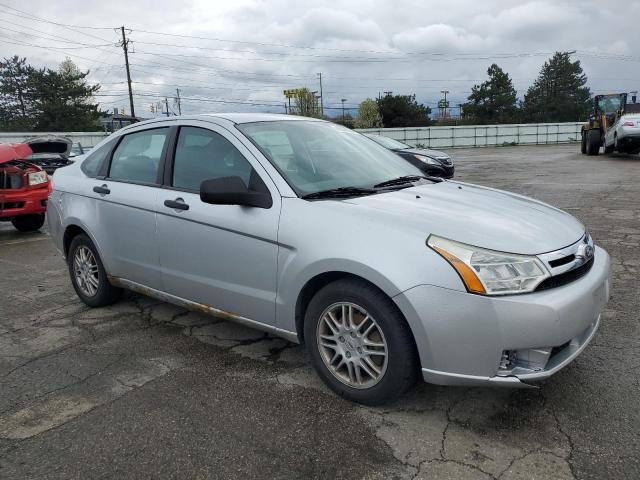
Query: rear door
[
  {"x": 126, "y": 206},
  {"x": 223, "y": 256}
]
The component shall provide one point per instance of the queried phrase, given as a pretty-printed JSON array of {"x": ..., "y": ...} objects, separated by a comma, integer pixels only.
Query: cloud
[
  {"x": 338, "y": 39},
  {"x": 439, "y": 38}
]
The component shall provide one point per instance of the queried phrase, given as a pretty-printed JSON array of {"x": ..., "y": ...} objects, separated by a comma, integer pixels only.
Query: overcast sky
[{"x": 250, "y": 50}]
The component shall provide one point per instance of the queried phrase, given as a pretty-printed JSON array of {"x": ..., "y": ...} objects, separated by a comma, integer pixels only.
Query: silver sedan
[{"x": 310, "y": 231}]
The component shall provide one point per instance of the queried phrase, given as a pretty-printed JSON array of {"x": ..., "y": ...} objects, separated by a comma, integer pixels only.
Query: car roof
[
  {"x": 257, "y": 117},
  {"x": 235, "y": 118}
]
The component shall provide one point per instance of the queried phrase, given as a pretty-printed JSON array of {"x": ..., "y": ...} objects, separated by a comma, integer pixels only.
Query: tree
[
  {"x": 493, "y": 101},
  {"x": 44, "y": 99},
  {"x": 403, "y": 111},
  {"x": 368, "y": 115},
  {"x": 16, "y": 105},
  {"x": 305, "y": 104},
  {"x": 559, "y": 93},
  {"x": 64, "y": 100}
]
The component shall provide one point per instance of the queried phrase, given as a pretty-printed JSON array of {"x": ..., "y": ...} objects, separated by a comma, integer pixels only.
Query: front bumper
[
  {"x": 462, "y": 338},
  {"x": 24, "y": 201}
]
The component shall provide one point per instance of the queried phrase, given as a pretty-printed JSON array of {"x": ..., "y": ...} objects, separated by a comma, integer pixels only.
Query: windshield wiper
[
  {"x": 401, "y": 180},
  {"x": 340, "y": 192}
]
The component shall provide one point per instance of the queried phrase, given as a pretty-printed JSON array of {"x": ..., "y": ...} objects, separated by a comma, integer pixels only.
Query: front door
[{"x": 223, "y": 256}]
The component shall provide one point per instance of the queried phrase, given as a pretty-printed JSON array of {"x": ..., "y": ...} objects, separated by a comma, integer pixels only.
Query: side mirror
[{"x": 232, "y": 191}]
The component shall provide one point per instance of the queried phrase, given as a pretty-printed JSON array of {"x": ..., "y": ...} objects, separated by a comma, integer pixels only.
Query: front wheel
[
  {"x": 583, "y": 143},
  {"x": 359, "y": 343},
  {"x": 88, "y": 275},
  {"x": 594, "y": 141},
  {"x": 28, "y": 223}
]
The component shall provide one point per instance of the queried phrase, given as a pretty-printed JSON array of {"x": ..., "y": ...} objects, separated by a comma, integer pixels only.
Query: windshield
[
  {"x": 315, "y": 156},
  {"x": 388, "y": 142},
  {"x": 610, "y": 104}
]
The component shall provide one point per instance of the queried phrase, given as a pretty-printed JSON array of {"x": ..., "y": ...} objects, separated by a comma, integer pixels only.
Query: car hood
[
  {"x": 50, "y": 144},
  {"x": 426, "y": 152},
  {"x": 14, "y": 151},
  {"x": 476, "y": 215}
]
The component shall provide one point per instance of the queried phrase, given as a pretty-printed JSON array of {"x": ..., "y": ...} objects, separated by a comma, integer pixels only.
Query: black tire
[
  {"x": 594, "y": 142},
  {"x": 106, "y": 294},
  {"x": 402, "y": 366},
  {"x": 583, "y": 143},
  {"x": 28, "y": 223}
]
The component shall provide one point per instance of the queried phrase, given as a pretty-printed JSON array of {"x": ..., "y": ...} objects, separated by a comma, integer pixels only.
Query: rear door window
[{"x": 137, "y": 157}]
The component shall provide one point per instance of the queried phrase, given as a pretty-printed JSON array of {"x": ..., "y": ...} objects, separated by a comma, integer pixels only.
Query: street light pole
[
  {"x": 444, "y": 110},
  {"x": 321, "y": 98}
]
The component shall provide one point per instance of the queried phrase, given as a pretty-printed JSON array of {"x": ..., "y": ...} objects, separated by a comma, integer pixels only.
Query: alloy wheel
[
  {"x": 85, "y": 269},
  {"x": 352, "y": 345}
]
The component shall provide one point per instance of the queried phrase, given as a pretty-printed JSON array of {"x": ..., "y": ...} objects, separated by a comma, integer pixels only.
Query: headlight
[
  {"x": 428, "y": 160},
  {"x": 37, "y": 178},
  {"x": 489, "y": 272}
]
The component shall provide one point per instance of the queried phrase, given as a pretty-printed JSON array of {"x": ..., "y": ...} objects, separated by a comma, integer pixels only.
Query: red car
[{"x": 24, "y": 188}]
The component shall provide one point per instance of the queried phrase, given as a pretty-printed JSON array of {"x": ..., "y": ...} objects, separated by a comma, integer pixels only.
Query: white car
[{"x": 624, "y": 135}]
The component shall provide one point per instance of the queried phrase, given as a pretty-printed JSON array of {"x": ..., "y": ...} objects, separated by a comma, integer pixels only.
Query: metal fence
[
  {"x": 86, "y": 139},
  {"x": 432, "y": 137},
  {"x": 483, "y": 135}
]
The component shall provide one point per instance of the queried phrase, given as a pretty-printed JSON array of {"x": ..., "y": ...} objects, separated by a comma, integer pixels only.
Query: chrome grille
[{"x": 568, "y": 264}]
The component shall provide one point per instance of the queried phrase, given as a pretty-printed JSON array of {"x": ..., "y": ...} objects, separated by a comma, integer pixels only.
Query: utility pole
[
  {"x": 166, "y": 102},
  {"x": 343, "y": 100},
  {"x": 285, "y": 108},
  {"x": 125, "y": 47},
  {"x": 178, "y": 101},
  {"x": 321, "y": 98}
]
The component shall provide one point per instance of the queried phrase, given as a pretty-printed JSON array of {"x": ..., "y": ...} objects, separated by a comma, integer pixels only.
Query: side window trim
[
  {"x": 170, "y": 155},
  {"x": 161, "y": 163}
]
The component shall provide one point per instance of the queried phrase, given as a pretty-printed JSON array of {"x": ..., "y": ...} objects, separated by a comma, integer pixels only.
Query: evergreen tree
[
  {"x": 368, "y": 115},
  {"x": 16, "y": 100},
  {"x": 44, "y": 99},
  {"x": 64, "y": 100},
  {"x": 403, "y": 111},
  {"x": 493, "y": 101},
  {"x": 559, "y": 93}
]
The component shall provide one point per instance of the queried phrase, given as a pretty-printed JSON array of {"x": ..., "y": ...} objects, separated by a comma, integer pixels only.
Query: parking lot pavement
[{"x": 144, "y": 389}]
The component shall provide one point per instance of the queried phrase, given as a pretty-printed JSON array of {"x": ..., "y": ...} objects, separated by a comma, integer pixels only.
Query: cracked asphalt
[{"x": 144, "y": 389}]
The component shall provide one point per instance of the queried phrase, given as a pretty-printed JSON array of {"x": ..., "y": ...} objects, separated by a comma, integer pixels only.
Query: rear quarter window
[{"x": 92, "y": 164}]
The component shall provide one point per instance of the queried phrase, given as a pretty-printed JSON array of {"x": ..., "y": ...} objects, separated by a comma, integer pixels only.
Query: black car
[{"x": 431, "y": 162}]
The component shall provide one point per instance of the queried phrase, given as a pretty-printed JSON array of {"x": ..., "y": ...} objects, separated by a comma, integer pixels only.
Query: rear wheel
[
  {"x": 594, "y": 141},
  {"x": 583, "y": 143},
  {"x": 359, "y": 343},
  {"x": 28, "y": 223},
  {"x": 87, "y": 273}
]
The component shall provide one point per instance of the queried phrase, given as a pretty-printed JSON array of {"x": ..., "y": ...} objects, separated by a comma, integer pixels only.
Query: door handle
[
  {"x": 177, "y": 204},
  {"x": 102, "y": 190}
]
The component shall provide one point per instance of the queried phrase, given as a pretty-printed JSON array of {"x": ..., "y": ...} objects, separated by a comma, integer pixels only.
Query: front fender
[{"x": 292, "y": 282}]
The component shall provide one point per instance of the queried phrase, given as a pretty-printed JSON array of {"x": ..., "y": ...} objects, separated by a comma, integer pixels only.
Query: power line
[{"x": 73, "y": 28}]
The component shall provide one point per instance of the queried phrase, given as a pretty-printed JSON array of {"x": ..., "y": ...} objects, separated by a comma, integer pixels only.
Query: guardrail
[
  {"x": 86, "y": 139},
  {"x": 483, "y": 135}
]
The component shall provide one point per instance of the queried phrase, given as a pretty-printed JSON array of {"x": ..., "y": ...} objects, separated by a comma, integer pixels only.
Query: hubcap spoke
[
  {"x": 86, "y": 272},
  {"x": 352, "y": 345}
]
